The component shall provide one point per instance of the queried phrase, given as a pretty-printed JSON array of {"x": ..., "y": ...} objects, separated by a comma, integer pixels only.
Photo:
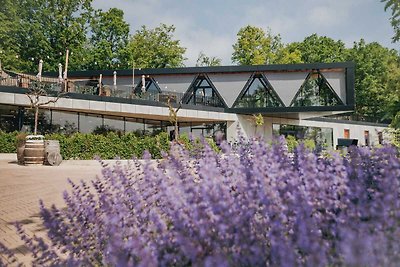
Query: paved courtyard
[{"x": 21, "y": 187}]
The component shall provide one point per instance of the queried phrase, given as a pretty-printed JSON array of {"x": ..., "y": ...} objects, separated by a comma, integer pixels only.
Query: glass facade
[
  {"x": 316, "y": 91},
  {"x": 14, "y": 118},
  {"x": 259, "y": 94},
  {"x": 203, "y": 93},
  {"x": 322, "y": 137}
]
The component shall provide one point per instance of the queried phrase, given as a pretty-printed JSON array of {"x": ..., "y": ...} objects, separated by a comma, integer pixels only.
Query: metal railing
[{"x": 82, "y": 87}]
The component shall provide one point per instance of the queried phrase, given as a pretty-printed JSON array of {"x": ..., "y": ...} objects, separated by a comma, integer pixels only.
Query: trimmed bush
[
  {"x": 110, "y": 145},
  {"x": 256, "y": 205},
  {"x": 8, "y": 142}
]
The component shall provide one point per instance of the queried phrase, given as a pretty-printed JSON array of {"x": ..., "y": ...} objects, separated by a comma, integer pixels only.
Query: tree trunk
[
  {"x": 36, "y": 120},
  {"x": 176, "y": 129}
]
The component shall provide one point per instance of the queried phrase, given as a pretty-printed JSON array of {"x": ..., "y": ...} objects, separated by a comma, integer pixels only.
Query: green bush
[
  {"x": 291, "y": 143},
  {"x": 110, "y": 145},
  {"x": 8, "y": 142}
]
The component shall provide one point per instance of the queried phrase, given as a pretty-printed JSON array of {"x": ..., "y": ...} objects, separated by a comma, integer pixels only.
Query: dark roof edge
[{"x": 215, "y": 69}]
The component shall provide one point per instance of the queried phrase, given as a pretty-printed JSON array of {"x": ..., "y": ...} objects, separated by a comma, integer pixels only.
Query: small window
[
  {"x": 366, "y": 137},
  {"x": 346, "y": 133},
  {"x": 380, "y": 138}
]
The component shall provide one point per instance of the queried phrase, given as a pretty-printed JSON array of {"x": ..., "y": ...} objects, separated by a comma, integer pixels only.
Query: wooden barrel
[
  {"x": 52, "y": 152},
  {"x": 34, "y": 151},
  {"x": 20, "y": 152}
]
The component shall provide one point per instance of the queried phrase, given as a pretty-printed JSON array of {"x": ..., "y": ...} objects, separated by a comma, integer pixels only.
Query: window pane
[
  {"x": 134, "y": 125},
  {"x": 65, "y": 122},
  {"x": 89, "y": 122}
]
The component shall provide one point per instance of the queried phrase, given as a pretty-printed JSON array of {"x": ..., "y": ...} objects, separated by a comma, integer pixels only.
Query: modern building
[{"x": 296, "y": 99}]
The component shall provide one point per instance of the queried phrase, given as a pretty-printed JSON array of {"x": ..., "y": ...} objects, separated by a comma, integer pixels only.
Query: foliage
[
  {"x": 205, "y": 61},
  {"x": 255, "y": 47},
  {"x": 289, "y": 54},
  {"x": 110, "y": 34},
  {"x": 31, "y": 30},
  {"x": 47, "y": 28},
  {"x": 155, "y": 48},
  {"x": 314, "y": 49},
  {"x": 377, "y": 80},
  {"x": 109, "y": 145},
  {"x": 254, "y": 206},
  {"x": 309, "y": 144},
  {"x": 8, "y": 142},
  {"x": 291, "y": 142},
  {"x": 9, "y": 44},
  {"x": 394, "y": 5}
]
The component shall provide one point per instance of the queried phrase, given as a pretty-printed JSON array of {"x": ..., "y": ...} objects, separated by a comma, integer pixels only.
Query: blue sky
[{"x": 211, "y": 26}]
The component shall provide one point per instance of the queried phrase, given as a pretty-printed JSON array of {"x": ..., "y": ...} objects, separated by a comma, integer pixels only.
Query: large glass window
[
  {"x": 322, "y": 137},
  {"x": 203, "y": 93},
  {"x": 153, "y": 127},
  {"x": 316, "y": 91},
  {"x": 65, "y": 122},
  {"x": 113, "y": 123},
  {"x": 258, "y": 94},
  {"x": 90, "y": 122},
  {"x": 10, "y": 118},
  {"x": 149, "y": 90},
  {"x": 134, "y": 125}
]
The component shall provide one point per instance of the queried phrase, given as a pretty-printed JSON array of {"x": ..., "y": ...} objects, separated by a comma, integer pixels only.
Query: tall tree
[
  {"x": 109, "y": 37},
  {"x": 203, "y": 60},
  {"x": 376, "y": 68},
  {"x": 155, "y": 48},
  {"x": 48, "y": 28},
  {"x": 9, "y": 26},
  {"x": 316, "y": 48},
  {"x": 394, "y": 5},
  {"x": 254, "y": 46},
  {"x": 289, "y": 54}
]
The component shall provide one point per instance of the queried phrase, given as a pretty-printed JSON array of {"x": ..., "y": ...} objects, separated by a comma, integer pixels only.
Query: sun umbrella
[
  {"x": 39, "y": 75},
  {"x": 60, "y": 76},
  {"x": 143, "y": 83}
]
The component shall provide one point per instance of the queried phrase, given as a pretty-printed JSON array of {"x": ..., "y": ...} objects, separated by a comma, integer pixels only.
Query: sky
[{"x": 212, "y": 26}]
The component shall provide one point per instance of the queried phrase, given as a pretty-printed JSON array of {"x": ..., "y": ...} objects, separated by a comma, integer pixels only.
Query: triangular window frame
[
  {"x": 201, "y": 99},
  {"x": 149, "y": 81},
  {"x": 267, "y": 86},
  {"x": 325, "y": 81}
]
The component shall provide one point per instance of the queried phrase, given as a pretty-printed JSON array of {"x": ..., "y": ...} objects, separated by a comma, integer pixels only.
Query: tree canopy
[
  {"x": 110, "y": 35},
  {"x": 155, "y": 48},
  {"x": 254, "y": 46},
  {"x": 394, "y": 6},
  {"x": 316, "y": 48},
  {"x": 203, "y": 60},
  {"x": 376, "y": 72}
]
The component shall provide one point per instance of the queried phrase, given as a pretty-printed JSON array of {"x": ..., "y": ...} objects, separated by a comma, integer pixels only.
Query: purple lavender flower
[{"x": 249, "y": 205}]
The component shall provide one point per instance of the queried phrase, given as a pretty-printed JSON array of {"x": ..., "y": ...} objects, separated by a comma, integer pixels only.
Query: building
[{"x": 296, "y": 99}]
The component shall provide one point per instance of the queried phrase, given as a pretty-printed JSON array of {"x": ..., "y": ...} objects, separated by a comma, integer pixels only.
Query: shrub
[
  {"x": 252, "y": 206},
  {"x": 8, "y": 142}
]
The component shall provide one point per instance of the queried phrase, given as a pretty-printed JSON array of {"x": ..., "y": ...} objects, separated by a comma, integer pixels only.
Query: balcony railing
[{"x": 82, "y": 87}]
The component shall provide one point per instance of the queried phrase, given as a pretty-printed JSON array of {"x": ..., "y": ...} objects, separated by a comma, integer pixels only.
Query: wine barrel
[
  {"x": 20, "y": 152},
  {"x": 52, "y": 152},
  {"x": 34, "y": 150}
]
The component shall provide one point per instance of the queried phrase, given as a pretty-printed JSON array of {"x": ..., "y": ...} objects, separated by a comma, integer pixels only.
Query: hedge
[
  {"x": 107, "y": 146},
  {"x": 88, "y": 146}
]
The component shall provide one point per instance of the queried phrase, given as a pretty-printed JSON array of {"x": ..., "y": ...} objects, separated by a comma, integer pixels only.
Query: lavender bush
[{"x": 254, "y": 205}]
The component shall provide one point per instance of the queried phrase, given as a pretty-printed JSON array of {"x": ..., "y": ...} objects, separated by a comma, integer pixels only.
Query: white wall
[{"x": 247, "y": 126}]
